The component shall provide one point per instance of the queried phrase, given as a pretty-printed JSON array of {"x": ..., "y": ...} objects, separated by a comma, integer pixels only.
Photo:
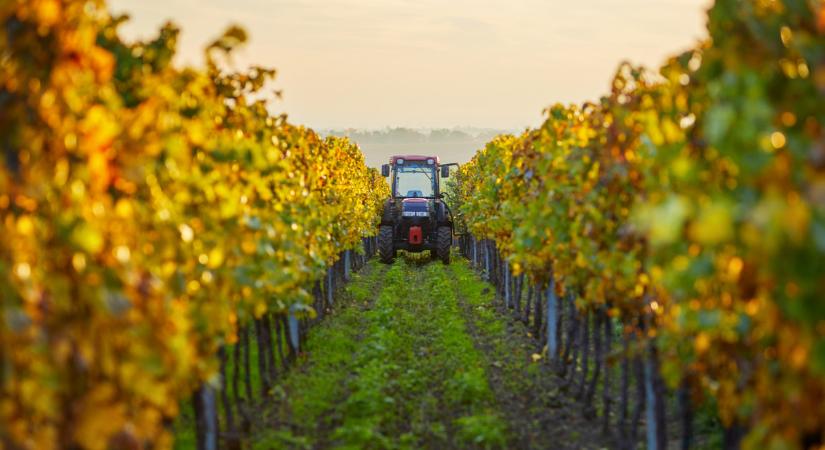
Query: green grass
[
  {"x": 332, "y": 345},
  {"x": 401, "y": 372},
  {"x": 313, "y": 389},
  {"x": 479, "y": 295},
  {"x": 184, "y": 429},
  {"x": 392, "y": 368}
]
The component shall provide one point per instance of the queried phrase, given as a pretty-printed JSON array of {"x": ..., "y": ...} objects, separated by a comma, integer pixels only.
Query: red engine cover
[{"x": 415, "y": 235}]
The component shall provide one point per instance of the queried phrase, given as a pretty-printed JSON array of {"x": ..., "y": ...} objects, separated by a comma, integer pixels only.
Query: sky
[{"x": 430, "y": 63}]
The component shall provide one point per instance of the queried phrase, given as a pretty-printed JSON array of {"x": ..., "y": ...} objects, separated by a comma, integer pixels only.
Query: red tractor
[{"x": 416, "y": 218}]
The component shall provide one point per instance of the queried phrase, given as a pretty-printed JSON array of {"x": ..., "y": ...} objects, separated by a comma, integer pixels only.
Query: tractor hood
[{"x": 415, "y": 207}]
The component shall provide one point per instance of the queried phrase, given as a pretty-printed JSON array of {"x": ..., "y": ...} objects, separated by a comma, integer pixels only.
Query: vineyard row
[
  {"x": 688, "y": 207},
  {"x": 152, "y": 216}
]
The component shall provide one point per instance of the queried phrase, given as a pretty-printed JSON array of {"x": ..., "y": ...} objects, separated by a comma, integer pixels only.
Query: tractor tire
[
  {"x": 444, "y": 242},
  {"x": 385, "y": 247}
]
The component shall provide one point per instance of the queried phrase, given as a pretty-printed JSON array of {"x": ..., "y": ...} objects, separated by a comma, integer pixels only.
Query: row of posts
[
  {"x": 577, "y": 339},
  {"x": 213, "y": 431}
]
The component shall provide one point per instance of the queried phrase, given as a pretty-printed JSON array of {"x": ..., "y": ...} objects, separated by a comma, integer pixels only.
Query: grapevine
[
  {"x": 148, "y": 211},
  {"x": 688, "y": 204}
]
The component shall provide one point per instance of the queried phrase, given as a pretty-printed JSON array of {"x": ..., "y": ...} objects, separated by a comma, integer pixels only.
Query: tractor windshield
[{"x": 414, "y": 179}]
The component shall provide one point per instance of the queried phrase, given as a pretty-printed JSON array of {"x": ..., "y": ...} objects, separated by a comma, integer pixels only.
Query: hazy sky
[{"x": 428, "y": 63}]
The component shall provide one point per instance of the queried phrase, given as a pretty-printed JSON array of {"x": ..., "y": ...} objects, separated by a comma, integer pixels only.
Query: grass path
[
  {"x": 538, "y": 413},
  {"x": 416, "y": 357}
]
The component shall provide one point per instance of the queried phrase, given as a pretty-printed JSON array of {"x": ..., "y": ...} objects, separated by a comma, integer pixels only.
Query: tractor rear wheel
[
  {"x": 385, "y": 250},
  {"x": 444, "y": 241}
]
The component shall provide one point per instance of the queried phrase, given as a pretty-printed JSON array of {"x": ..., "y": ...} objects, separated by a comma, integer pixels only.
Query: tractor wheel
[
  {"x": 385, "y": 249},
  {"x": 444, "y": 241}
]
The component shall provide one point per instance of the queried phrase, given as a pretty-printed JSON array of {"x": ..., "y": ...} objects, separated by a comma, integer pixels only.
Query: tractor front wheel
[
  {"x": 444, "y": 241},
  {"x": 385, "y": 250}
]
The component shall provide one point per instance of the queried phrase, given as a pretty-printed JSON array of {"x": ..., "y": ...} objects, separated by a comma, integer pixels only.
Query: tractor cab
[{"x": 415, "y": 217}]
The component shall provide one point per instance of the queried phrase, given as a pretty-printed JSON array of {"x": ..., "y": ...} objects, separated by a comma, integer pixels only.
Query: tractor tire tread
[
  {"x": 444, "y": 242},
  {"x": 385, "y": 244}
]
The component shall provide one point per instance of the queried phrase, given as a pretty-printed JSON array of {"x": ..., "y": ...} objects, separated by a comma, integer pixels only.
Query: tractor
[{"x": 415, "y": 217}]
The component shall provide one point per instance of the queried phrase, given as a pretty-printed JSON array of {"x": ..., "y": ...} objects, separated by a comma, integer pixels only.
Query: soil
[{"x": 417, "y": 355}]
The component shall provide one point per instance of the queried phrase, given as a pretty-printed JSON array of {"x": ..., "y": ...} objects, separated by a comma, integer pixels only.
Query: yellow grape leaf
[
  {"x": 87, "y": 238},
  {"x": 713, "y": 226}
]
